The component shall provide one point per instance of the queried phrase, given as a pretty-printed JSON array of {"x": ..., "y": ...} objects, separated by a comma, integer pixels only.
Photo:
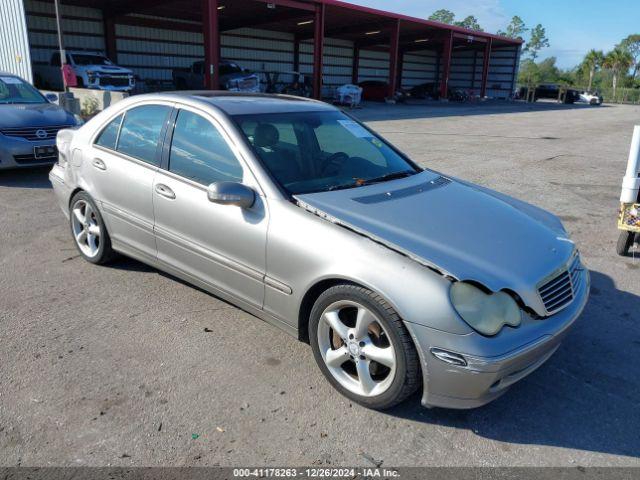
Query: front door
[{"x": 221, "y": 245}]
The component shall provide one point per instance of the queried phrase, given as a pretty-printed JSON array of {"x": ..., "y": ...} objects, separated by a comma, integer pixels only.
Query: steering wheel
[{"x": 333, "y": 164}]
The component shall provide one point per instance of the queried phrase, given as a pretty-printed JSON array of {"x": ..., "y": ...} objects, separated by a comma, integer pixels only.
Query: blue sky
[{"x": 573, "y": 26}]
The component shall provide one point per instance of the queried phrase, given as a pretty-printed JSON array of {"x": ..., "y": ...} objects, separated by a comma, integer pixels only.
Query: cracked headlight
[{"x": 485, "y": 313}]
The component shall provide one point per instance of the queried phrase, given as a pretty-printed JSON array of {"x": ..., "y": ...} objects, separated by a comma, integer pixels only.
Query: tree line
[
  {"x": 516, "y": 29},
  {"x": 597, "y": 71}
]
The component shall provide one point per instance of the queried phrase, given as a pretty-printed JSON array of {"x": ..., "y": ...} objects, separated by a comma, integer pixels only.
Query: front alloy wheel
[
  {"x": 362, "y": 347},
  {"x": 356, "y": 348}
]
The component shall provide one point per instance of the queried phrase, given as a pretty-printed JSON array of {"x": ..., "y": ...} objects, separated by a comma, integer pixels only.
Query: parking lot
[{"x": 124, "y": 365}]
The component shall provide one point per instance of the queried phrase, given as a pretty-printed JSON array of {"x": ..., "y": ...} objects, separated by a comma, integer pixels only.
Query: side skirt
[{"x": 227, "y": 297}]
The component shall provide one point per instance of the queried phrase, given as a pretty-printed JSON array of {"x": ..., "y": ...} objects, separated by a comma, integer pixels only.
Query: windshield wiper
[
  {"x": 361, "y": 183},
  {"x": 344, "y": 186},
  {"x": 389, "y": 176}
]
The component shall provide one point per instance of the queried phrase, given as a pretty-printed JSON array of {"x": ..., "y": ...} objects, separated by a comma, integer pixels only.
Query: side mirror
[
  {"x": 231, "y": 193},
  {"x": 51, "y": 97}
]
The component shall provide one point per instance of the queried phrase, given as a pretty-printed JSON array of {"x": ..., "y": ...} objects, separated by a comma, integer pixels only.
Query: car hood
[
  {"x": 34, "y": 115},
  {"x": 462, "y": 230}
]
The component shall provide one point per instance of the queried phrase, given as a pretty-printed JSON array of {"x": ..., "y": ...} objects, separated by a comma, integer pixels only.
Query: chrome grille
[
  {"x": 559, "y": 292},
  {"x": 110, "y": 81},
  {"x": 34, "y": 133},
  {"x": 28, "y": 159}
]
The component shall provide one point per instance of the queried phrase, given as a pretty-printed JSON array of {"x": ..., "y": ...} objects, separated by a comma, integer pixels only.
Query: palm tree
[
  {"x": 593, "y": 61},
  {"x": 618, "y": 61}
]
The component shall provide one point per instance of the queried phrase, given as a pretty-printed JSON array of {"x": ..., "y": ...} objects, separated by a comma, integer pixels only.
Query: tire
[
  {"x": 89, "y": 233},
  {"x": 384, "y": 384},
  {"x": 79, "y": 82},
  {"x": 625, "y": 242}
]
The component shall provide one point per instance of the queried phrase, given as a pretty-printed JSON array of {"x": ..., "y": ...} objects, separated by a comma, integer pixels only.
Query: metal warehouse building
[{"x": 333, "y": 42}]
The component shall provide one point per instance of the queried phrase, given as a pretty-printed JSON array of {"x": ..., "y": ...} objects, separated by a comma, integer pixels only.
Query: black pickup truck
[
  {"x": 552, "y": 91},
  {"x": 232, "y": 77}
]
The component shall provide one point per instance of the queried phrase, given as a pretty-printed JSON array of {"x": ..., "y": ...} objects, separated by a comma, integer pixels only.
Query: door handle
[
  {"x": 165, "y": 191},
  {"x": 99, "y": 164}
]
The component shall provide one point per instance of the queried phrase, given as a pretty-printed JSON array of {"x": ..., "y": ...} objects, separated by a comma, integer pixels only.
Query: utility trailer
[{"x": 629, "y": 216}]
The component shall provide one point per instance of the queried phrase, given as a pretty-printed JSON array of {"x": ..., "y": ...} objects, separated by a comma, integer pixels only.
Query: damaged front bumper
[{"x": 490, "y": 364}]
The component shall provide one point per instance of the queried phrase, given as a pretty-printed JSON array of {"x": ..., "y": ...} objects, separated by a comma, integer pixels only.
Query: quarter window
[
  {"x": 140, "y": 132},
  {"x": 109, "y": 135},
  {"x": 200, "y": 153}
]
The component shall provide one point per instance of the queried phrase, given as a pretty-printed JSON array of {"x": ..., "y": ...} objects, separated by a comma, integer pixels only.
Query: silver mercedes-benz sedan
[{"x": 399, "y": 277}]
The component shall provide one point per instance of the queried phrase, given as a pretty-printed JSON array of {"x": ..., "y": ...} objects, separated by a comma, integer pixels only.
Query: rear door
[{"x": 120, "y": 169}]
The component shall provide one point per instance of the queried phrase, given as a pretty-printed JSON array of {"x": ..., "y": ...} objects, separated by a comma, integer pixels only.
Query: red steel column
[
  {"x": 393, "y": 58},
  {"x": 318, "y": 43},
  {"x": 355, "y": 65},
  {"x": 211, "y": 33},
  {"x": 446, "y": 64},
  {"x": 110, "y": 38},
  {"x": 485, "y": 67}
]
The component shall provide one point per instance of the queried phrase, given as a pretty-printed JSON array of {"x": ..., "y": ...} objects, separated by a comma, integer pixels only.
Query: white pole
[
  {"x": 631, "y": 180},
  {"x": 63, "y": 55}
]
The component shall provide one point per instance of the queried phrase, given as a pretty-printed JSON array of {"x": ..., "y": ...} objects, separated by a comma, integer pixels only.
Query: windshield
[
  {"x": 320, "y": 151},
  {"x": 229, "y": 68},
  {"x": 82, "y": 59},
  {"x": 16, "y": 90}
]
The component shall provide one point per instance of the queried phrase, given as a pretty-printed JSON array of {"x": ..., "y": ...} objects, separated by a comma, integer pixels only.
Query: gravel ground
[{"x": 123, "y": 365}]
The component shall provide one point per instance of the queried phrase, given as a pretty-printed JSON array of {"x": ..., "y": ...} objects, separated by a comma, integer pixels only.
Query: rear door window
[
  {"x": 140, "y": 132},
  {"x": 109, "y": 135}
]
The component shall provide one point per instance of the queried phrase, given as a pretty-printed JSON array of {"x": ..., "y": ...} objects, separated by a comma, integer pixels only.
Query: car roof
[{"x": 255, "y": 103}]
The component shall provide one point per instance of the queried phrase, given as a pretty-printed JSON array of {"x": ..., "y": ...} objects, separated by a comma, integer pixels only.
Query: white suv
[
  {"x": 592, "y": 98},
  {"x": 92, "y": 69}
]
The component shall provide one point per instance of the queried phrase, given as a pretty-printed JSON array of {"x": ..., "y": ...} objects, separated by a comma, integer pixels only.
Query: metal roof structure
[{"x": 315, "y": 20}]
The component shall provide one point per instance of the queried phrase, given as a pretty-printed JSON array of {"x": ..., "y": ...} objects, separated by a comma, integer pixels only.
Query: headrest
[{"x": 266, "y": 135}]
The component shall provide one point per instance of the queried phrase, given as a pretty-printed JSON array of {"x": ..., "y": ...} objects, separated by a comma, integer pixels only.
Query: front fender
[{"x": 304, "y": 249}]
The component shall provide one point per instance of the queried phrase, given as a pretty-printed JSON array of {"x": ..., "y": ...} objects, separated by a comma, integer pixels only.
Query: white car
[
  {"x": 92, "y": 69},
  {"x": 592, "y": 98}
]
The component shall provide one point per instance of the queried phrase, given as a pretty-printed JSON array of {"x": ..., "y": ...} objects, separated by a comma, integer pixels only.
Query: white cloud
[{"x": 489, "y": 13}]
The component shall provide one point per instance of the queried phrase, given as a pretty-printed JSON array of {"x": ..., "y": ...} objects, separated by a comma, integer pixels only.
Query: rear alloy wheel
[
  {"x": 362, "y": 347},
  {"x": 89, "y": 231}
]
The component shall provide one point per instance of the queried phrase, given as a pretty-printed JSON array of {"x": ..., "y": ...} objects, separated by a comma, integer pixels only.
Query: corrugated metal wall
[
  {"x": 467, "y": 66},
  {"x": 466, "y": 70},
  {"x": 373, "y": 65},
  {"x": 15, "y": 56},
  {"x": 503, "y": 72},
  {"x": 337, "y": 62},
  {"x": 82, "y": 28},
  {"x": 152, "y": 53},
  {"x": 419, "y": 67}
]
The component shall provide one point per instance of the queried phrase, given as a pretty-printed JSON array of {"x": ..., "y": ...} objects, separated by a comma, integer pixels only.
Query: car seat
[{"x": 279, "y": 161}]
